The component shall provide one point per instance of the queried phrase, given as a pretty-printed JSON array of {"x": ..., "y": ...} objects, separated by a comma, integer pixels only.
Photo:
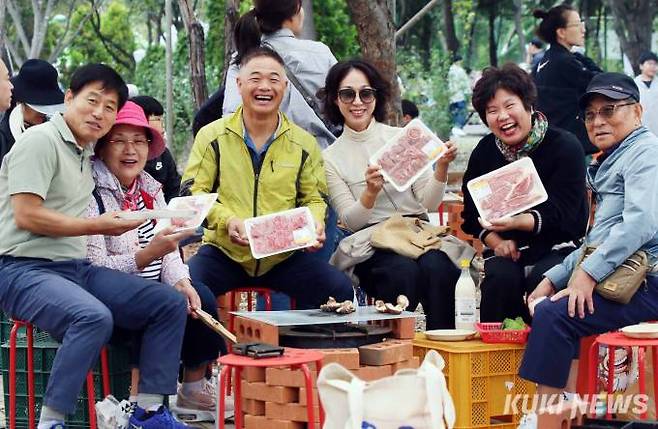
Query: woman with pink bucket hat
[{"x": 122, "y": 184}]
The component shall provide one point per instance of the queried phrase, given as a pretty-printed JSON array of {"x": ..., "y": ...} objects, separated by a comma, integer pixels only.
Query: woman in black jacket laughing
[{"x": 504, "y": 99}]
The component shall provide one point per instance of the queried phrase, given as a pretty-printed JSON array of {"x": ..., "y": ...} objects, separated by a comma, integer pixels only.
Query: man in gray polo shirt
[{"x": 45, "y": 187}]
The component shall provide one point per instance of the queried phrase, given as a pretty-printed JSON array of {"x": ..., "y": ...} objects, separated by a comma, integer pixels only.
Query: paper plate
[
  {"x": 641, "y": 331},
  {"x": 450, "y": 334}
]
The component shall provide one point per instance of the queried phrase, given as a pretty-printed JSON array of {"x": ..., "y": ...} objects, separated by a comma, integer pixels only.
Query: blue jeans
[
  {"x": 554, "y": 330},
  {"x": 79, "y": 305},
  {"x": 458, "y": 113}
]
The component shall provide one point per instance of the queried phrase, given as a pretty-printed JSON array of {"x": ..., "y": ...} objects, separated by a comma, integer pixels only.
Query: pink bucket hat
[{"x": 132, "y": 114}]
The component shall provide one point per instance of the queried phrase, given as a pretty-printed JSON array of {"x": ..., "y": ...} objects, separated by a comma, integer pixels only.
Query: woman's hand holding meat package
[
  {"x": 374, "y": 185},
  {"x": 441, "y": 171}
]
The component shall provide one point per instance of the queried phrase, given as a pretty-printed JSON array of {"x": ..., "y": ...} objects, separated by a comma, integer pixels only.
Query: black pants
[
  {"x": 302, "y": 276},
  {"x": 429, "y": 280},
  {"x": 505, "y": 283}
]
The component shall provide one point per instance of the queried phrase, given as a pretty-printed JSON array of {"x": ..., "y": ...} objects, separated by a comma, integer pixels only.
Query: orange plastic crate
[
  {"x": 492, "y": 333},
  {"x": 479, "y": 378}
]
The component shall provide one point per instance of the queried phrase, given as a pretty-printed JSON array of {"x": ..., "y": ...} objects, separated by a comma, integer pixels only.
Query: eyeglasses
[
  {"x": 580, "y": 23},
  {"x": 348, "y": 95},
  {"x": 606, "y": 111},
  {"x": 121, "y": 144}
]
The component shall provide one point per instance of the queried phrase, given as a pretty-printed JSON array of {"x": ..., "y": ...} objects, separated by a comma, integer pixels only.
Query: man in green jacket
[{"x": 259, "y": 162}]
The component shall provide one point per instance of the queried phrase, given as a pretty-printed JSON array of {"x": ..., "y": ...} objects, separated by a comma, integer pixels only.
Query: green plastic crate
[{"x": 45, "y": 349}]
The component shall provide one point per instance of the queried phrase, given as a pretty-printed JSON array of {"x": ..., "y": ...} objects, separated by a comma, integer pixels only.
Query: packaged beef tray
[
  {"x": 407, "y": 155},
  {"x": 507, "y": 191},
  {"x": 280, "y": 232},
  {"x": 199, "y": 205}
]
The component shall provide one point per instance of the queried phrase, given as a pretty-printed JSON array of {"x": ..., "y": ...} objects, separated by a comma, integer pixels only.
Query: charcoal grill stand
[{"x": 263, "y": 326}]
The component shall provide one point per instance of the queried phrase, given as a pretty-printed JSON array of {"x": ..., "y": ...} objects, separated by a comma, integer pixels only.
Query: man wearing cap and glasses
[
  {"x": 623, "y": 182},
  {"x": 37, "y": 96}
]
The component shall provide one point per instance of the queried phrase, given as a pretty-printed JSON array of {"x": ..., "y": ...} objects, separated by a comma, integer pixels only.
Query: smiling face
[
  {"x": 262, "y": 82},
  {"x": 508, "y": 118},
  {"x": 124, "y": 152},
  {"x": 604, "y": 133},
  {"x": 91, "y": 112},
  {"x": 357, "y": 114}
]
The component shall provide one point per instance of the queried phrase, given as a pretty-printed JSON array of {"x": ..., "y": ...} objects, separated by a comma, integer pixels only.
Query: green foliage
[
  {"x": 88, "y": 48},
  {"x": 428, "y": 89},
  {"x": 214, "y": 12},
  {"x": 150, "y": 77},
  {"x": 335, "y": 28}
]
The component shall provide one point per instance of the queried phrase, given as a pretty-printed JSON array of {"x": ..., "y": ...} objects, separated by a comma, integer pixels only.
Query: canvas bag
[
  {"x": 412, "y": 398},
  {"x": 407, "y": 236}
]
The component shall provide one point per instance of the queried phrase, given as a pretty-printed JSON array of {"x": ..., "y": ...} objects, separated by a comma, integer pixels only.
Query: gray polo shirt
[{"x": 46, "y": 161}]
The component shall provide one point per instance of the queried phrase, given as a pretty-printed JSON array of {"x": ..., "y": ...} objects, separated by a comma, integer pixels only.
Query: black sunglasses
[{"x": 348, "y": 95}]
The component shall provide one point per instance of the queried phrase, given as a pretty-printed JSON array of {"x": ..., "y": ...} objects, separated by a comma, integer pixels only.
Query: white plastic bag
[
  {"x": 414, "y": 398},
  {"x": 112, "y": 414}
]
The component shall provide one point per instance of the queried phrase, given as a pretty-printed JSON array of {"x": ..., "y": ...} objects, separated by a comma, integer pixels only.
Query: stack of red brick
[{"x": 275, "y": 398}]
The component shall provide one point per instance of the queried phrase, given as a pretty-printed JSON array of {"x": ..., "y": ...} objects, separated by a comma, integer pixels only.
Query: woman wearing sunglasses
[
  {"x": 504, "y": 99},
  {"x": 355, "y": 95},
  {"x": 623, "y": 181}
]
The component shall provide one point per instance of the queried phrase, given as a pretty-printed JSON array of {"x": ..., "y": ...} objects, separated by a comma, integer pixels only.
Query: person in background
[
  {"x": 45, "y": 187},
  {"x": 504, "y": 99},
  {"x": 562, "y": 76},
  {"x": 647, "y": 83},
  {"x": 163, "y": 167},
  {"x": 6, "y": 88},
  {"x": 277, "y": 24},
  {"x": 409, "y": 111},
  {"x": 36, "y": 97},
  {"x": 623, "y": 181},
  {"x": 459, "y": 88},
  {"x": 356, "y": 95},
  {"x": 534, "y": 53},
  {"x": 210, "y": 111}
]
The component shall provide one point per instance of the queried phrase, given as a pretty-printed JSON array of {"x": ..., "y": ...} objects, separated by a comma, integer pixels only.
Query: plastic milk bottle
[{"x": 465, "y": 315}]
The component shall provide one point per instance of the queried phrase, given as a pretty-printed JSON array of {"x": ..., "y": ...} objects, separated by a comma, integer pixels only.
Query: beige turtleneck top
[{"x": 346, "y": 161}]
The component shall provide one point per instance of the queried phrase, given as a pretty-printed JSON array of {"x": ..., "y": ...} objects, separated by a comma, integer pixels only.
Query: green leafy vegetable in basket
[{"x": 513, "y": 324}]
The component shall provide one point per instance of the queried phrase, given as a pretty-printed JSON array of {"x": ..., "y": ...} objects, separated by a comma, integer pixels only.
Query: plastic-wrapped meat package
[
  {"x": 280, "y": 232},
  {"x": 507, "y": 191},
  {"x": 408, "y": 155}
]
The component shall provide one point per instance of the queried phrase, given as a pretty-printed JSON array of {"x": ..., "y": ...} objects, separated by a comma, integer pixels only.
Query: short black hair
[
  {"x": 329, "y": 94},
  {"x": 106, "y": 75},
  {"x": 410, "y": 108},
  {"x": 262, "y": 51},
  {"x": 509, "y": 77},
  {"x": 647, "y": 56},
  {"x": 551, "y": 20},
  {"x": 150, "y": 105}
]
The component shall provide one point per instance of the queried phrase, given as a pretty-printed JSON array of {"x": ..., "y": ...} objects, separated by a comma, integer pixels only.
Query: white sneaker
[{"x": 528, "y": 421}]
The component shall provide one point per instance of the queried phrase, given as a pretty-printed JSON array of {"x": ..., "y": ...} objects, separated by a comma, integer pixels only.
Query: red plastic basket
[{"x": 492, "y": 333}]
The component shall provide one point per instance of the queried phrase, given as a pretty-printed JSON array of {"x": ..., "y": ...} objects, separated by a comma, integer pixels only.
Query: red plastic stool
[
  {"x": 292, "y": 358},
  {"x": 613, "y": 340},
  {"x": 91, "y": 398}
]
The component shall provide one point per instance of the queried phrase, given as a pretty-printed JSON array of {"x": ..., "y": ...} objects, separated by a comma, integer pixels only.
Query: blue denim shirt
[{"x": 625, "y": 186}]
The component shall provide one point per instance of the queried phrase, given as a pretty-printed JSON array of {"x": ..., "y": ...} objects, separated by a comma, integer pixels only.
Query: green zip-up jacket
[{"x": 291, "y": 175}]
